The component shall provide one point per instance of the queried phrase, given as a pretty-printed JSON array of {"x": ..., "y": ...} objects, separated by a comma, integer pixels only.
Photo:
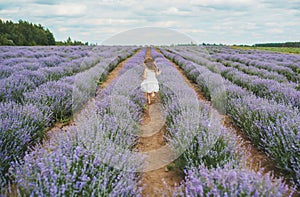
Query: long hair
[{"x": 149, "y": 63}]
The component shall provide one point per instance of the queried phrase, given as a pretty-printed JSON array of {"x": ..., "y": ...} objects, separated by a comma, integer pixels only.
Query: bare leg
[
  {"x": 148, "y": 98},
  {"x": 152, "y": 94}
]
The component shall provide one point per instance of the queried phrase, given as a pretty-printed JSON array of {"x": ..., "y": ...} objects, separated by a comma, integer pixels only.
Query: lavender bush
[
  {"x": 251, "y": 70},
  {"x": 20, "y": 127},
  {"x": 53, "y": 68},
  {"x": 285, "y": 64},
  {"x": 212, "y": 151},
  {"x": 55, "y": 95},
  {"x": 181, "y": 105},
  {"x": 52, "y": 100},
  {"x": 272, "y": 127},
  {"x": 265, "y": 88},
  {"x": 208, "y": 131},
  {"x": 225, "y": 181},
  {"x": 74, "y": 165},
  {"x": 93, "y": 158}
]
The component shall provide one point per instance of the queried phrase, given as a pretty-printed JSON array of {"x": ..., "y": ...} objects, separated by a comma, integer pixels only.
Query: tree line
[
  {"x": 70, "y": 42},
  {"x": 285, "y": 44},
  {"x": 24, "y": 33}
]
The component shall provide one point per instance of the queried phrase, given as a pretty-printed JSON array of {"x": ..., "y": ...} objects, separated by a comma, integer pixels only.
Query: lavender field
[
  {"x": 43, "y": 86},
  {"x": 262, "y": 95},
  {"x": 37, "y": 86}
]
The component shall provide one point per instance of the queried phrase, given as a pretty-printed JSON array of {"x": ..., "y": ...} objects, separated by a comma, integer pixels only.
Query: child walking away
[{"x": 149, "y": 84}]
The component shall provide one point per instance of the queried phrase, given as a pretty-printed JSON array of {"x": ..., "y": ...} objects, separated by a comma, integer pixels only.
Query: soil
[
  {"x": 113, "y": 74},
  {"x": 160, "y": 181},
  {"x": 58, "y": 127},
  {"x": 156, "y": 181},
  {"x": 257, "y": 160}
]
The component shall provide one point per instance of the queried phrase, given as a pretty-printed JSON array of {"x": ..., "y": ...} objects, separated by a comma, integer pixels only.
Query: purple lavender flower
[
  {"x": 273, "y": 126},
  {"x": 43, "y": 100},
  {"x": 76, "y": 163},
  {"x": 226, "y": 181}
]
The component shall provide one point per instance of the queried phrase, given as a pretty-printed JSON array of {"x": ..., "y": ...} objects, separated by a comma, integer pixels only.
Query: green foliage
[
  {"x": 24, "y": 33},
  {"x": 219, "y": 154},
  {"x": 69, "y": 42},
  {"x": 286, "y": 44},
  {"x": 171, "y": 166}
]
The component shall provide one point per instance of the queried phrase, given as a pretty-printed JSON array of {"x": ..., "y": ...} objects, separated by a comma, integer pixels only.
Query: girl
[{"x": 149, "y": 84}]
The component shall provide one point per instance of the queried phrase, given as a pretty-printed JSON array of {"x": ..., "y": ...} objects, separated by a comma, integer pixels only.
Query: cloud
[
  {"x": 57, "y": 10},
  {"x": 63, "y": 29},
  {"x": 8, "y": 11},
  {"x": 70, "y": 9},
  {"x": 110, "y": 21},
  {"x": 176, "y": 12},
  {"x": 230, "y": 21},
  {"x": 224, "y": 4},
  {"x": 46, "y": 2},
  {"x": 148, "y": 36},
  {"x": 287, "y": 4},
  {"x": 275, "y": 30}
]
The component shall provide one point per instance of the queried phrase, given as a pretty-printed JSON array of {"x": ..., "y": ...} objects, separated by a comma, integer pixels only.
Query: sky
[{"x": 161, "y": 21}]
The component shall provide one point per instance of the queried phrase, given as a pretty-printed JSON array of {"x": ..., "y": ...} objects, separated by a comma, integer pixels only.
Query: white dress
[{"x": 150, "y": 84}]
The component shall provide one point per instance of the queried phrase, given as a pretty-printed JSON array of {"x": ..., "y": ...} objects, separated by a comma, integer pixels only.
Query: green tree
[{"x": 24, "y": 33}]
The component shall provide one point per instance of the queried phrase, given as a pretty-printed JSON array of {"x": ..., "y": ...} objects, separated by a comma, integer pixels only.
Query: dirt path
[
  {"x": 58, "y": 127},
  {"x": 257, "y": 159},
  {"x": 159, "y": 172},
  {"x": 64, "y": 126},
  {"x": 114, "y": 73},
  {"x": 158, "y": 167},
  {"x": 152, "y": 144}
]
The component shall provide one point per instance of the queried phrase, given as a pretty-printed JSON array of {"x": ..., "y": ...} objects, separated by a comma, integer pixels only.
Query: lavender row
[
  {"x": 13, "y": 55},
  {"x": 262, "y": 73},
  {"x": 35, "y": 51},
  {"x": 284, "y": 64},
  {"x": 264, "y": 88},
  {"x": 196, "y": 131},
  {"x": 53, "y": 57},
  {"x": 192, "y": 124},
  {"x": 221, "y": 54},
  {"x": 251, "y": 70},
  {"x": 17, "y": 59},
  {"x": 248, "y": 69},
  {"x": 272, "y": 127},
  {"x": 53, "y": 101},
  {"x": 80, "y": 87},
  {"x": 13, "y": 87},
  {"x": 286, "y": 60},
  {"x": 94, "y": 158},
  {"x": 226, "y": 181}
]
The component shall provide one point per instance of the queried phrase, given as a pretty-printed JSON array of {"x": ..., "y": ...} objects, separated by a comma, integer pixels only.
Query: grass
[
  {"x": 171, "y": 166},
  {"x": 287, "y": 50}
]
